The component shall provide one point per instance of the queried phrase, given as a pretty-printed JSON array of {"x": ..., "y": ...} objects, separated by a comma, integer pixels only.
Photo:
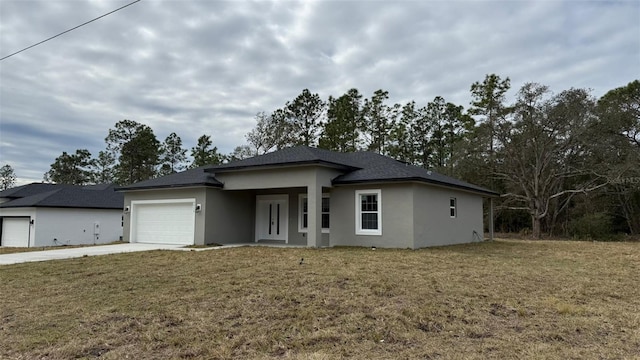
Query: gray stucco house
[{"x": 306, "y": 196}]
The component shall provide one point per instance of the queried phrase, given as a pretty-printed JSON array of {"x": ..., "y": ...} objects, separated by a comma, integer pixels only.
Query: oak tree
[{"x": 540, "y": 149}]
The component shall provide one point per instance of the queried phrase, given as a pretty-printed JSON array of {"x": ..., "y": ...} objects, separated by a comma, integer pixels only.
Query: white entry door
[{"x": 272, "y": 214}]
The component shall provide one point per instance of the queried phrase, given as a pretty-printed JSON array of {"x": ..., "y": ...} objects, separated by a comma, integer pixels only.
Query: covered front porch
[
  {"x": 286, "y": 206},
  {"x": 283, "y": 216}
]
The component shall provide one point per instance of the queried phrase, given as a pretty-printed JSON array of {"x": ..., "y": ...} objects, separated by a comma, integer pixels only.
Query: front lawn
[{"x": 505, "y": 299}]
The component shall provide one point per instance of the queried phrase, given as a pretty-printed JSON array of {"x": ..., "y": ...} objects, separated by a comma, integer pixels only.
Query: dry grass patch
[
  {"x": 506, "y": 299},
  {"x": 13, "y": 250}
]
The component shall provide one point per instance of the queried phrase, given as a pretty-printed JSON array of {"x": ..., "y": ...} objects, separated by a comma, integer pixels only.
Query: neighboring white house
[{"x": 38, "y": 214}]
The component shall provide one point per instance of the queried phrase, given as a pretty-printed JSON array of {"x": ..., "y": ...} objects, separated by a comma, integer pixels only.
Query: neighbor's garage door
[
  {"x": 15, "y": 232},
  {"x": 163, "y": 223}
]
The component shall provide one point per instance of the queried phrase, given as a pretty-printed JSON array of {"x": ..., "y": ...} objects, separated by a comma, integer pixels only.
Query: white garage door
[
  {"x": 15, "y": 232},
  {"x": 163, "y": 222}
]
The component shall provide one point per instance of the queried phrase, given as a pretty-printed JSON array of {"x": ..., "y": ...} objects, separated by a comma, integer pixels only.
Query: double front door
[{"x": 272, "y": 214}]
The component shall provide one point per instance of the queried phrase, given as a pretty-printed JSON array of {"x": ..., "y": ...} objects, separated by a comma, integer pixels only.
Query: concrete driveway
[{"x": 32, "y": 256}]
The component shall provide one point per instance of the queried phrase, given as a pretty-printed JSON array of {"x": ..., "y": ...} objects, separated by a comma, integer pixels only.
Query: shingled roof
[
  {"x": 29, "y": 189},
  {"x": 357, "y": 167},
  {"x": 299, "y": 155},
  {"x": 100, "y": 196},
  {"x": 191, "y": 177},
  {"x": 378, "y": 168}
]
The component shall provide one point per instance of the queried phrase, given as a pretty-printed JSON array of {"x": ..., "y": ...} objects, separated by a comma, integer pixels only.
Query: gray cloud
[{"x": 207, "y": 67}]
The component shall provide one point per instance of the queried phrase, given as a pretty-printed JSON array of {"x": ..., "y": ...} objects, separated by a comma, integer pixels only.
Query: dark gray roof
[
  {"x": 357, "y": 167},
  {"x": 65, "y": 196},
  {"x": 29, "y": 189},
  {"x": 299, "y": 155},
  {"x": 379, "y": 168},
  {"x": 191, "y": 177}
]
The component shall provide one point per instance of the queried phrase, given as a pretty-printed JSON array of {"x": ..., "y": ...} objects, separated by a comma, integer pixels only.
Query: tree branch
[
  {"x": 513, "y": 208},
  {"x": 516, "y": 196},
  {"x": 584, "y": 191}
]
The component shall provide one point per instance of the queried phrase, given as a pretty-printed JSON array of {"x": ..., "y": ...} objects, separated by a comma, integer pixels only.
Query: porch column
[
  {"x": 491, "y": 218},
  {"x": 314, "y": 213}
]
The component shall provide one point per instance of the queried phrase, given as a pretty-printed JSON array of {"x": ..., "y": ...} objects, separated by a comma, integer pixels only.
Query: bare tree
[
  {"x": 7, "y": 177},
  {"x": 266, "y": 135},
  {"x": 541, "y": 148}
]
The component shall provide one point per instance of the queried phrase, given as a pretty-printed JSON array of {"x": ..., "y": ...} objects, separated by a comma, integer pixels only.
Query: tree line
[
  {"x": 565, "y": 163},
  {"x": 133, "y": 153}
]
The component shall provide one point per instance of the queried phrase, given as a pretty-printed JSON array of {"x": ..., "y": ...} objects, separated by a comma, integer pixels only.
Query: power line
[{"x": 64, "y": 32}]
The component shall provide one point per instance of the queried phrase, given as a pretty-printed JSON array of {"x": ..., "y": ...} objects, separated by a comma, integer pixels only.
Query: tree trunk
[{"x": 535, "y": 224}]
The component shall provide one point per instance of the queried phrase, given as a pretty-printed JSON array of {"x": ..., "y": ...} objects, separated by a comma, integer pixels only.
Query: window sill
[
  {"x": 324, "y": 231},
  {"x": 369, "y": 232}
]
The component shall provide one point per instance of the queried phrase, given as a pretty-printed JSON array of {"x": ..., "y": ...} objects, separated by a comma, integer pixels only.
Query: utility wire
[{"x": 64, "y": 32}]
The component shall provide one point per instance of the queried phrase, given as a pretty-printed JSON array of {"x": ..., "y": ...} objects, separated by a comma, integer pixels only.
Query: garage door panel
[
  {"x": 15, "y": 232},
  {"x": 164, "y": 223}
]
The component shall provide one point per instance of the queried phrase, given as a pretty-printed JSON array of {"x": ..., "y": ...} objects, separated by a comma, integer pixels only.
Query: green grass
[{"x": 505, "y": 299}]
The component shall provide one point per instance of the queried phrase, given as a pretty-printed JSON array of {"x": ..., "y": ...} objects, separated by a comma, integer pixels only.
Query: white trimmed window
[
  {"x": 453, "y": 207},
  {"x": 368, "y": 212},
  {"x": 303, "y": 213}
]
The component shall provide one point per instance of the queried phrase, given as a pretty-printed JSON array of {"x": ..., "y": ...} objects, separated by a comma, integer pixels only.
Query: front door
[{"x": 272, "y": 214}]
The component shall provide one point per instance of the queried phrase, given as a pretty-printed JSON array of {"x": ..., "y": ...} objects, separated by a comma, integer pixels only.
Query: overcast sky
[{"x": 207, "y": 67}]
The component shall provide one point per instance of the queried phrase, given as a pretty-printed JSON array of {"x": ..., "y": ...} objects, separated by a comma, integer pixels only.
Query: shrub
[{"x": 595, "y": 226}]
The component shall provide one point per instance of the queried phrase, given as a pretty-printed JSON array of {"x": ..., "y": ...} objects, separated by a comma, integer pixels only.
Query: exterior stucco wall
[
  {"x": 295, "y": 236},
  {"x": 198, "y": 193},
  {"x": 433, "y": 223},
  {"x": 230, "y": 216},
  {"x": 286, "y": 177},
  {"x": 397, "y": 220},
  {"x": 76, "y": 226},
  {"x": 23, "y": 212}
]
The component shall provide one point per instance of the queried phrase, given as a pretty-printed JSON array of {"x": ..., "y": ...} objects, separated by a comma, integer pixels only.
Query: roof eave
[
  {"x": 11, "y": 197},
  {"x": 487, "y": 193},
  {"x": 170, "y": 186},
  {"x": 62, "y": 207},
  {"x": 281, "y": 165}
]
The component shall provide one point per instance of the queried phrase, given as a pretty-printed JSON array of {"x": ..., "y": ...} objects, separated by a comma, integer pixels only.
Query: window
[
  {"x": 453, "y": 212},
  {"x": 368, "y": 212},
  {"x": 325, "y": 212},
  {"x": 303, "y": 213}
]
